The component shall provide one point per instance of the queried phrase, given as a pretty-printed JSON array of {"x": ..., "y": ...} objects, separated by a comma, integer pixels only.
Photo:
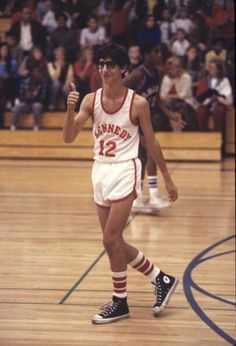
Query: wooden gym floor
[{"x": 54, "y": 274}]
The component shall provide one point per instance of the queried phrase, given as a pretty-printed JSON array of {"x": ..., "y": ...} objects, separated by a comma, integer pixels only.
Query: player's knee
[{"x": 111, "y": 243}]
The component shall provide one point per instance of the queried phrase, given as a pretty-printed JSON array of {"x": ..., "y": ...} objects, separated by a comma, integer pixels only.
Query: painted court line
[{"x": 86, "y": 195}]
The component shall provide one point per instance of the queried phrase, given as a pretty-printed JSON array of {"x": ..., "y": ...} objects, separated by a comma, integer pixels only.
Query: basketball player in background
[
  {"x": 145, "y": 80},
  {"x": 116, "y": 112}
]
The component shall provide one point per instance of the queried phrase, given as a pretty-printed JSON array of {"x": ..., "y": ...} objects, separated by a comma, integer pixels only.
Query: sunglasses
[{"x": 109, "y": 64}]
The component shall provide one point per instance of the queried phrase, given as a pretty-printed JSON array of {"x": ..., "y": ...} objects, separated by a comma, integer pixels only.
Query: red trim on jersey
[
  {"x": 130, "y": 109},
  {"x": 92, "y": 116},
  {"x": 101, "y": 206},
  {"x": 134, "y": 188},
  {"x": 126, "y": 93}
]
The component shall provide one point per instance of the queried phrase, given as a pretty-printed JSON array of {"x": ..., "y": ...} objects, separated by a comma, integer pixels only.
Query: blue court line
[{"x": 188, "y": 285}]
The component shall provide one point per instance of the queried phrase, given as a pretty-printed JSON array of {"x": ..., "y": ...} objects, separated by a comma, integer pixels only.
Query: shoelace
[
  {"x": 106, "y": 305},
  {"x": 109, "y": 308},
  {"x": 158, "y": 291}
]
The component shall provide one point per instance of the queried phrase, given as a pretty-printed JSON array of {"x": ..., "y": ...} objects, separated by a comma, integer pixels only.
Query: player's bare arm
[
  {"x": 141, "y": 114},
  {"x": 134, "y": 79},
  {"x": 74, "y": 124}
]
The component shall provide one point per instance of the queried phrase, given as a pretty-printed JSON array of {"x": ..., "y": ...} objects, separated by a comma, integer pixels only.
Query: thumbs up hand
[{"x": 73, "y": 97}]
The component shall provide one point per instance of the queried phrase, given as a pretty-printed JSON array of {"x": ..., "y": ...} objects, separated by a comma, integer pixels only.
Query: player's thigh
[
  {"x": 103, "y": 213},
  {"x": 118, "y": 216}
]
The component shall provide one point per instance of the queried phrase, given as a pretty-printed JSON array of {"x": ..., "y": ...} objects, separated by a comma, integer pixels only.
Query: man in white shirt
[{"x": 93, "y": 35}]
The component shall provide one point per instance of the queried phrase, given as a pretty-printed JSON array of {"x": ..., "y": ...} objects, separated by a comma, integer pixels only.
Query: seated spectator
[
  {"x": 63, "y": 37},
  {"x": 181, "y": 44},
  {"x": 16, "y": 51},
  {"x": 150, "y": 33},
  {"x": 176, "y": 93},
  {"x": 167, "y": 27},
  {"x": 215, "y": 95},
  {"x": 135, "y": 57},
  {"x": 193, "y": 66},
  {"x": 83, "y": 70},
  {"x": 8, "y": 75},
  {"x": 28, "y": 32},
  {"x": 183, "y": 21},
  {"x": 217, "y": 52},
  {"x": 32, "y": 97},
  {"x": 94, "y": 35},
  {"x": 61, "y": 74},
  {"x": 35, "y": 59}
]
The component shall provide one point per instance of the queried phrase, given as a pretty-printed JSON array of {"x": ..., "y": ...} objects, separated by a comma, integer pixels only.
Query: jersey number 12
[{"x": 107, "y": 148}]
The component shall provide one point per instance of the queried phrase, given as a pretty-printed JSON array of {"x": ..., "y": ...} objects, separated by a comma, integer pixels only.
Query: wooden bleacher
[{"x": 48, "y": 144}]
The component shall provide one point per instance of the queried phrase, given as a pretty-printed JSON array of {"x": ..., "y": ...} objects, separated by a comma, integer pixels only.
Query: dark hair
[
  {"x": 220, "y": 67},
  {"x": 115, "y": 52},
  {"x": 148, "y": 47}
]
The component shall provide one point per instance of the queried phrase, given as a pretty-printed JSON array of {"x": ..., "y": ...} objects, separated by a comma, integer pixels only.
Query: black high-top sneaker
[
  {"x": 164, "y": 286},
  {"x": 115, "y": 310}
]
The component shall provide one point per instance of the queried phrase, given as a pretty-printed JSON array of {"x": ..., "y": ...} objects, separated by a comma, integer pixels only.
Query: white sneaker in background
[
  {"x": 158, "y": 201},
  {"x": 13, "y": 128},
  {"x": 36, "y": 128},
  {"x": 139, "y": 206}
]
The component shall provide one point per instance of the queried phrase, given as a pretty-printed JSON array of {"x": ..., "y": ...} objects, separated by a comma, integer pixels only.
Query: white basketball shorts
[{"x": 113, "y": 182}]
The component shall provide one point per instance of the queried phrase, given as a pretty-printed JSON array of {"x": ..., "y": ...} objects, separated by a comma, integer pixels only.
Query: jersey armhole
[{"x": 130, "y": 109}]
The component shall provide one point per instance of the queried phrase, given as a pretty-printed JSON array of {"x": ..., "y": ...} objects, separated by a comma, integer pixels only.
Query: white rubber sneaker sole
[
  {"x": 99, "y": 320},
  {"x": 158, "y": 309}
]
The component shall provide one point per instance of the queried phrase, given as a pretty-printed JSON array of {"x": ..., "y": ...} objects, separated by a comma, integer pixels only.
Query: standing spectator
[
  {"x": 164, "y": 4},
  {"x": 43, "y": 6},
  {"x": 28, "y": 32},
  {"x": 181, "y": 44},
  {"x": 83, "y": 69},
  {"x": 32, "y": 98},
  {"x": 60, "y": 73},
  {"x": 93, "y": 35},
  {"x": 176, "y": 94},
  {"x": 167, "y": 27},
  {"x": 150, "y": 33},
  {"x": 119, "y": 20},
  {"x": 183, "y": 21},
  {"x": 215, "y": 95},
  {"x": 63, "y": 37}
]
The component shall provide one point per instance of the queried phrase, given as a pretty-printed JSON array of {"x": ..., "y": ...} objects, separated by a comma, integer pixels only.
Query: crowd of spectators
[{"x": 52, "y": 42}]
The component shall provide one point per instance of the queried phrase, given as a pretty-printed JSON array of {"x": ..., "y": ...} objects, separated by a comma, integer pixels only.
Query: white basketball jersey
[{"x": 116, "y": 138}]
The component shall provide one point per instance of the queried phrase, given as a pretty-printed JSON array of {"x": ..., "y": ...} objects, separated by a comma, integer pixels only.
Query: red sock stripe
[
  {"x": 150, "y": 270},
  {"x": 145, "y": 266},
  {"x": 119, "y": 284},
  {"x": 119, "y": 279},
  {"x": 140, "y": 262},
  {"x": 119, "y": 290}
]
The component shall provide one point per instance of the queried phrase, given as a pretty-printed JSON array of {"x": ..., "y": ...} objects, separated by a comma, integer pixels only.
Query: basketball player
[
  {"x": 145, "y": 80},
  {"x": 116, "y": 112}
]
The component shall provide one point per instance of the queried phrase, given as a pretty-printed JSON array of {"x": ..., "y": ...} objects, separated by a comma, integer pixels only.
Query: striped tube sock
[
  {"x": 152, "y": 184},
  {"x": 144, "y": 266},
  {"x": 119, "y": 284}
]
